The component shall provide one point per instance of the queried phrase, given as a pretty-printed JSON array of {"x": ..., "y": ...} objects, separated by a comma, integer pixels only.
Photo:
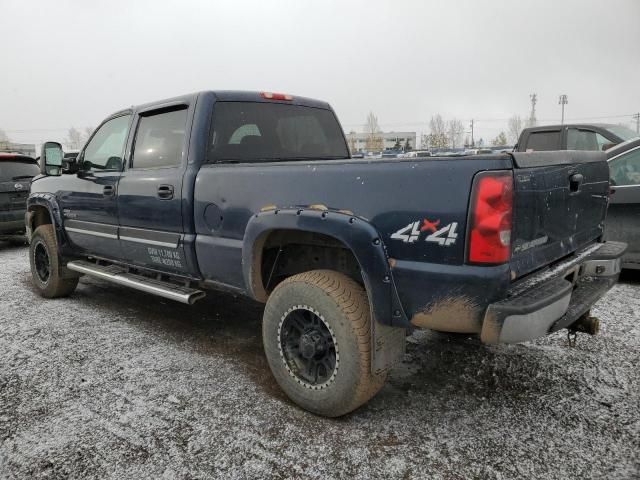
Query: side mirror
[
  {"x": 51, "y": 160},
  {"x": 70, "y": 165}
]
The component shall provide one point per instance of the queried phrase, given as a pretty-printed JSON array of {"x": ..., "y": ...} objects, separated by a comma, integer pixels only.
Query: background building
[
  {"x": 360, "y": 142},
  {"x": 23, "y": 148}
]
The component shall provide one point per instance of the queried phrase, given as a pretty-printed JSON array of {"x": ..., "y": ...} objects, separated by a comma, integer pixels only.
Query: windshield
[
  {"x": 10, "y": 171},
  {"x": 623, "y": 132},
  {"x": 262, "y": 132}
]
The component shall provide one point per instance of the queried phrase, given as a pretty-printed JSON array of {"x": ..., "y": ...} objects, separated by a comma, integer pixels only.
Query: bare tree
[
  {"x": 74, "y": 139},
  {"x": 372, "y": 129},
  {"x": 77, "y": 138},
  {"x": 455, "y": 132},
  {"x": 514, "y": 127},
  {"x": 438, "y": 132},
  {"x": 425, "y": 142},
  {"x": 500, "y": 140},
  {"x": 351, "y": 139},
  {"x": 86, "y": 134}
]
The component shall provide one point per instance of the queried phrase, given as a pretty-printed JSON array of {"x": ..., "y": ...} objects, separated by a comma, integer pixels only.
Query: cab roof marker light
[{"x": 275, "y": 96}]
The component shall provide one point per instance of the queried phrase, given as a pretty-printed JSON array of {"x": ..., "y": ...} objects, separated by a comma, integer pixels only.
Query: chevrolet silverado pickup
[{"x": 256, "y": 193}]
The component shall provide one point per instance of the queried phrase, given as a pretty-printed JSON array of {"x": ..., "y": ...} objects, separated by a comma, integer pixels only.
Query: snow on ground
[{"x": 112, "y": 383}]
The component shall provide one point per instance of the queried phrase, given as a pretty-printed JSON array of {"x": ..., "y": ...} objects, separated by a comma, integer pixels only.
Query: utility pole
[
  {"x": 637, "y": 117},
  {"x": 473, "y": 144},
  {"x": 532, "y": 118},
  {"x": 562, "y": 101}
]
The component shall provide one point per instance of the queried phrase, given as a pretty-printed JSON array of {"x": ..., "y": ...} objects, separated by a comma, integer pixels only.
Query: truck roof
[
  {"x": 574, "y": 125},
  {"x": 229, "y": 96}
]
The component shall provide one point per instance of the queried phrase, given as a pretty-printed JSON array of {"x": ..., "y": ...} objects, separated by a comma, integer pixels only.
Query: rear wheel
[
  {"x": 51, "y": 279},
  {"x": 317, "y": 339}
]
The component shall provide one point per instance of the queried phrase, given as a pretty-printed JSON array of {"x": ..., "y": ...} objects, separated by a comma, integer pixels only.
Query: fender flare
[
  {"x": 50, "y": 203},
  {"x": 356, "y": 233}
]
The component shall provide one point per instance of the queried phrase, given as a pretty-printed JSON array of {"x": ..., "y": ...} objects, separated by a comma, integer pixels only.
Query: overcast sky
[{"x": 71, "y": 63}]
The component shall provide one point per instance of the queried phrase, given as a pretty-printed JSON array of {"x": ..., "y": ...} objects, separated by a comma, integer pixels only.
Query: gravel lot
[{"x": 112, "y": 383}]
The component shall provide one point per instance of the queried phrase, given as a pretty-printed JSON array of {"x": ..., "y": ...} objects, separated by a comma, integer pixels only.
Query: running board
[{"x": 119, "y": 275}]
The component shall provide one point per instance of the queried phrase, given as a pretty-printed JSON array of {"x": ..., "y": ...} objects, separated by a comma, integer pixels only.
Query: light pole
[{"x": 562, "y": 101}]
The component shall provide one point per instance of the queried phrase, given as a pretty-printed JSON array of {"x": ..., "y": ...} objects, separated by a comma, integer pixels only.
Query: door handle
[
  {"x": 165, "y": 192},
  {"x": 108, "y": 190},
  {"x": 575, "y": 181}
]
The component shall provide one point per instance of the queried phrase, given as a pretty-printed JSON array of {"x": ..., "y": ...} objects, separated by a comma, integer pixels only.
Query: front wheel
[
  {"x": 317, "y": 338},
  {"x": 48, "y": 276}
]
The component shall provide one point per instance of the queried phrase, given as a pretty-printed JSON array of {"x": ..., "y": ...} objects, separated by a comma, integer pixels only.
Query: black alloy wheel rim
[
  {"x": 41, "y": 260},
  {"x": 308, "y": 347}
]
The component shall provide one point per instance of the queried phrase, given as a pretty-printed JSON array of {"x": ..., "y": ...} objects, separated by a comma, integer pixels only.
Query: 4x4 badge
[{"x": 445, "y": 236}]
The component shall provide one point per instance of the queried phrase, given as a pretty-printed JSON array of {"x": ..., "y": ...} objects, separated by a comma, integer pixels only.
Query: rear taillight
[
  {"x": 275, "y": 96},
  {"x": 490, "y": 226}
]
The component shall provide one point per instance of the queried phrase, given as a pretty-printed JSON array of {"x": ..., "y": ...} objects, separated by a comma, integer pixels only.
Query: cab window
[
  {"x": 105, "y": 150},
  {"x": 160, "y": 139},
  {"x": 543, "y": 141},
  {"x": 625, "y": 170}
]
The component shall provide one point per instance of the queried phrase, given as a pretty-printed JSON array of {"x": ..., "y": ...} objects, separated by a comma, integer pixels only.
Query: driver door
[{"x": 89, "y": 198}]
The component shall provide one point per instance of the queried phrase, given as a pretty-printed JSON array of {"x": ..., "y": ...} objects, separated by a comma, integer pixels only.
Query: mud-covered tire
[
  {"x": 342, "y": 306},
  {"x": 50, "y": 278}
]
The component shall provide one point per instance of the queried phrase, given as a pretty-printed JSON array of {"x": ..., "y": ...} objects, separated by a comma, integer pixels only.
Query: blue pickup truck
[{"x": 256, "y": 193}]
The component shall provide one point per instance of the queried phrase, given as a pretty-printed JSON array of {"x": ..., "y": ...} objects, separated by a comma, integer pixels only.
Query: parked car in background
[
  {"x": 391, "y": 154},
  {"x": 418, "y": 154},
  {"x": 16, "y": 172},
  {"x": 623, "y": 217},
  {"x": 596, "y": 136}
]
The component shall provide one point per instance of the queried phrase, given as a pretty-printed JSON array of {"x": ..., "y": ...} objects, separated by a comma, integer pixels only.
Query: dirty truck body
[{"x": 257, "y": 194}]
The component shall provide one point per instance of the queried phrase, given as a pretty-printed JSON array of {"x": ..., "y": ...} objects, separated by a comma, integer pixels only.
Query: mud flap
[{"x": 388, "y": 344}]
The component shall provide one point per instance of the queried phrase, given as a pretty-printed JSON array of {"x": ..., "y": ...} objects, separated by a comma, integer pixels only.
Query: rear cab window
[
  {"x": 11, "y": 170},
  {"x": 267, "y": 132}
]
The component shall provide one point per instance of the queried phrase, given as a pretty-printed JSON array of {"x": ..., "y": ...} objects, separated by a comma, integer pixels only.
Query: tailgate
[{"x": 560, "y": 202}]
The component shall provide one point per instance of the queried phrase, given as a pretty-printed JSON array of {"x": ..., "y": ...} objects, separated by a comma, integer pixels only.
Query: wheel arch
[
  {"x": 43, "y": 209},
  {"x": 338, "y": 230}
]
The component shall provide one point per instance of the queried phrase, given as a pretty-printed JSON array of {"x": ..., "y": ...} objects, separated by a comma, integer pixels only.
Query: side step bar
[{"x": 119, "y": 275}]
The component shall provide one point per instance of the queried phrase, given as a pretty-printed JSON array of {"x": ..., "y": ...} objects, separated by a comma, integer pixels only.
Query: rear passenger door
[{"x": 150, "y": 193}]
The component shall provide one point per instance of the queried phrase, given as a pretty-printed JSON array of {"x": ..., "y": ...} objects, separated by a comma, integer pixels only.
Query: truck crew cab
[
  {"x": 578, "y": 136},
  {"x": 256, "y": 193}
]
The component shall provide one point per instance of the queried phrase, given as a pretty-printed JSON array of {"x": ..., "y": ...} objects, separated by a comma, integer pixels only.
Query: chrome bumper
[{"x": 550, "y": 304}]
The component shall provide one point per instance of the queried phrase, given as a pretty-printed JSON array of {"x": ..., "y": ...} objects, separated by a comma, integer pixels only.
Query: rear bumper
[{"x": 548, "y": 302}]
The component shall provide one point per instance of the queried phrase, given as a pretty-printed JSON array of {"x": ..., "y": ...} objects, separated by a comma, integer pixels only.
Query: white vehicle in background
[{"x": 418, "y": 154}]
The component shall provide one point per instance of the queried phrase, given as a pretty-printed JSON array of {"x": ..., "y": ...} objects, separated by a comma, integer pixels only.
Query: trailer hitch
[{"x": 584, "y": 324}]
